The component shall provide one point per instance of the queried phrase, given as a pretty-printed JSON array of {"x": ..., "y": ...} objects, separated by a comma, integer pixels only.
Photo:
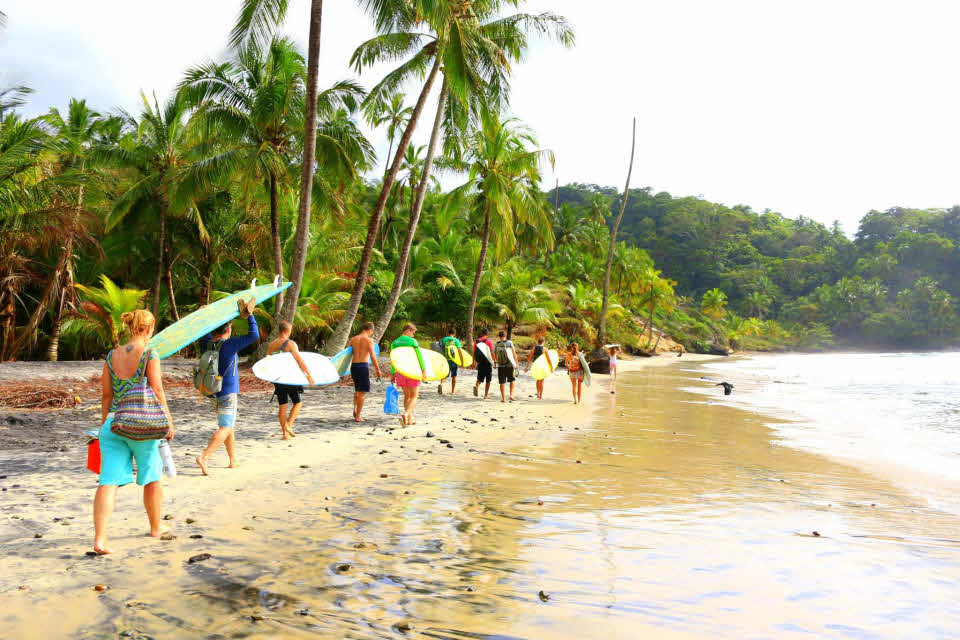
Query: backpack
[
  {"x": 206, "y": 375},
  {"x": 501, "y": 355}
]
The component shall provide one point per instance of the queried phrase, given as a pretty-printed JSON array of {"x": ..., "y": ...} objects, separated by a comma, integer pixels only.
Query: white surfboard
[
  {"x": 281, "y": 368},
  {"x": 585, "y": 367},
  {"x": 485, "y": 351}
]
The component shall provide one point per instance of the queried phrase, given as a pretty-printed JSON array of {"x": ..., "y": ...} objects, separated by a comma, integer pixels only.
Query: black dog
[{"x": 727, "y": 388}]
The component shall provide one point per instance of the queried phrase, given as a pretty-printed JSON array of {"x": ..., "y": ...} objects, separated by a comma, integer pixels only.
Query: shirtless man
[
  {"x": 288, "y": 393},
  {"x": 363, "y": 353}
]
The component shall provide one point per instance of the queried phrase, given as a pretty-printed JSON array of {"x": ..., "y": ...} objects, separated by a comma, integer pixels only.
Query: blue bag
[{"x": 391, "y": 400}]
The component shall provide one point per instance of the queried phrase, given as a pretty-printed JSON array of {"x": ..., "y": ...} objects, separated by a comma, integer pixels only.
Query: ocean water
[{"x": 897, "y": 414}]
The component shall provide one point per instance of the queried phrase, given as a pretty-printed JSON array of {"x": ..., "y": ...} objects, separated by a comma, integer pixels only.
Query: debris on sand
[
  {"x": 543, "y": 596},
  {"x": 200, "y": 557},
  {"x": 24, "y": 395}
]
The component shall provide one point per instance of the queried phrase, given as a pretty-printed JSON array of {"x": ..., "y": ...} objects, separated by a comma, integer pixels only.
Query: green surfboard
[{"x": 202, "y": 321}]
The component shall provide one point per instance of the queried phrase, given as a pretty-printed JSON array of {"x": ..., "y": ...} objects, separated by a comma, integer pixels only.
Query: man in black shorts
[
  {"x": 287, "y": 394},
  {"x": 363, "y": 355},
  {"x": 483, "y": 362}
]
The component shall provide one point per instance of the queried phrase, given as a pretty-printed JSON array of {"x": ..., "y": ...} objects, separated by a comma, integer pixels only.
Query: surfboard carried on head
[
  {"x": 343, "y": 359},
  {"x": 282, "y": 368},
  {"x": 406, "y": 362},
  {"x": 545, "y": 364},
  {"x": 194, "y": 326}
]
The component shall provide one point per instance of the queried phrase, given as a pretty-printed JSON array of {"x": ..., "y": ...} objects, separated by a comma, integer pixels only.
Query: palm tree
[
  {"x": 473, "y": 49},
  {"x": 520, "y": 300},
  {"x": 601, "y": 334},
  {"x": 156, "y": 152},
  {"x": 395, "y": 116},
  {"x": 656, "y": 292},
  {"x": 74, "y": 134},
  {"x": 102, "y": 306},
  {"x": 714, "y": 304},
  {"x": 502, "y": 190}
]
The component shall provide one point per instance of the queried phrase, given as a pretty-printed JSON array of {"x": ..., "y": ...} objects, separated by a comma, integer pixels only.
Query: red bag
[{"x": 93, "y": 456}]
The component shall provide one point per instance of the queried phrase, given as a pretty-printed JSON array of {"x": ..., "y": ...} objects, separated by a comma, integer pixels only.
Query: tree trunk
[
  {"x": 53, "y": 349},
  {"x": 207, "y": 276},
  {"x": 156, "y": 283},
  {"x": 9, "y": 318},
  {"x": 168, "y": 278},
  {"x": 650, "y": 327},
  {"x": 342, "y": 331},
  {"x": 275, "y": 237},
  {"x": 659, "y": 335},
  {"x": 602, "y": 333},
  {"x": 402, "y": 265},
  {"x": 302, "y": 236},
  {"x": 49, "y": 291},
  {"x": 476, "y": 278}
]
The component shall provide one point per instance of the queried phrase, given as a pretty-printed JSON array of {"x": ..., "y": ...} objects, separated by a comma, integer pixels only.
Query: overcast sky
[{"x": 825, "y": 108}]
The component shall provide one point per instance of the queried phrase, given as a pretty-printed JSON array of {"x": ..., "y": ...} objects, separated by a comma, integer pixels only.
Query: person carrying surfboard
[
  {"x": 506, "y": 356},
  {"x": 288, "y": 393},
  {"x": 575, "y": 371},
  {"x": 363, "y": 355},
  {"x": 449, "y": 344},
  {"x": 225, "y": 400},
  {"x": 483, "y": 362},
  {"x": 535, "y": 353},
  {"x": 410, "y": 386}
]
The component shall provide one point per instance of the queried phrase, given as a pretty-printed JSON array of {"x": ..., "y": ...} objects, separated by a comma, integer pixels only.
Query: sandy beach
[{"x": 651, "y": 512}]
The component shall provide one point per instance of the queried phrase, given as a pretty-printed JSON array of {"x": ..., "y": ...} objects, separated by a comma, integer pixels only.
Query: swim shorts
[
  {"x": 505, "y": 374},
  {"x": 404, "y": 381},
  {"x": 453, "y": 368},
  {"x": 576, "y": 375},
  {"x": 360, "y": 372},
  {"x": 287, "y": 393},
  {"x": 226, "y": 408},
  {"x": 118, "y": 453},
  {"x": 484, "y": 372}
]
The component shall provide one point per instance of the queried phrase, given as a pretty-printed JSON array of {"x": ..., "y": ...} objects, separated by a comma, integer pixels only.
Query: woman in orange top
[{"x": 575, "y": 371}]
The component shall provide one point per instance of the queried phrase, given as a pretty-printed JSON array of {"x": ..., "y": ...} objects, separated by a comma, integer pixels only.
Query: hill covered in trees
[{"x": 893, "y": 285}]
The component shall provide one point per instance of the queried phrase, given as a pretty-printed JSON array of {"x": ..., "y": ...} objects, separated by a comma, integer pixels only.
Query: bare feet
[
  {"x": 233, "y": 464},
  {"x": 159, "y": 532},
  {"x": 286, "y": 436},
  {"x": 101, "y": 548},
  {"x": 202, "y": 463},
  {"x": 356, "y": 419}
]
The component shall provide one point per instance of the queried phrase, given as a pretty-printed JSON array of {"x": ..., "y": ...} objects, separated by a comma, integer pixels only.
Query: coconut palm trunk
[
  {"x": 159, "y": 278},
  {"x": 476, "y": 277},
  {"x": 275, "y": 235},
  {"x": 400, "y": 274},
  {"x": 650, "y": 327},
  {"x": 342, "y": 331},
  {"x": 168, "y": 278},
  {"x": 302, "y": 236},
  {"x": 50, "y": 291},
  {"x": 602, "y": 332},
  {"x": 53, "y": 349}
]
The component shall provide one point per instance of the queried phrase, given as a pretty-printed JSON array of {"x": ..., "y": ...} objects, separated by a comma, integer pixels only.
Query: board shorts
[
  {"x": 484, "y": 372},
  {"x": 118, "y": 453},
  {"x": 360, "y": 372},
  {"x": 405, "y": 382},
  {"x": 576, "y": 375},
  {"x": 226, "y": 408},
  {"x": 287, "y": 393},
  {"x": 505, "y": 374},
  {"x": 453, "y": 368}
]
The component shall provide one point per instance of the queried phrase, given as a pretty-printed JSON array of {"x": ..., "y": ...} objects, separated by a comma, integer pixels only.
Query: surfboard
[
  {"x": 545, "y": 364},
  {"x": 587, "y": 376},
  {"x": 202, "y": 321},
  {"x": 282, "y": 368},
  {"x": 404, "y": 360},
  {"x": 461, "y": 357},
  {"x": 485, "y": 351},
  {"x": 343, "y": 360}
]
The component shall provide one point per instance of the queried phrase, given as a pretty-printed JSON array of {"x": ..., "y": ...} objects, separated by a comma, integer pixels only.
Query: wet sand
[{"x": 681, "y": 519}]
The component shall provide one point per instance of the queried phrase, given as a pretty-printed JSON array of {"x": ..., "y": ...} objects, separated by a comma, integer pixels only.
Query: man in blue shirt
[{"x": 225, "y": 401}]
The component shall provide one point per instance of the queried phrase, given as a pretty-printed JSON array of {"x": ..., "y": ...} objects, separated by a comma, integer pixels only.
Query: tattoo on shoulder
[{"x": 129, "y": 348}]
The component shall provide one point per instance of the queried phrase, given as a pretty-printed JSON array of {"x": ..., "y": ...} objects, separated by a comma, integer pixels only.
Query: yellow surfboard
[
  {"x": 545, "y": 364},
  {"x": 459, "y": 357},
  {"x": 405, "y": 361}
]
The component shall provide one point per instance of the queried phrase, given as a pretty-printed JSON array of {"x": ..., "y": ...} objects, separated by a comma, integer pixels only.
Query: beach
[{"x": 655, "y": 512}]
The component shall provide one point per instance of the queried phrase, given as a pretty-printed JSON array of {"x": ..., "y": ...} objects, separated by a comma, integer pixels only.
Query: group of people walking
[{"x": 134, "y": 365}]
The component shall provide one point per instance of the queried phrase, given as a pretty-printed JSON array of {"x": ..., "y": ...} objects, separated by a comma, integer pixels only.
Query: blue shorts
[
  {"x": 118, "y": 453},
  {"x": 226, "y": 408},
  {"x": 453, "y": 368}
]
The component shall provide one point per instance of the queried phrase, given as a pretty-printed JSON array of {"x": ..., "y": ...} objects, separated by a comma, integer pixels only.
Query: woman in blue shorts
[{"x": 122, "y": 370}]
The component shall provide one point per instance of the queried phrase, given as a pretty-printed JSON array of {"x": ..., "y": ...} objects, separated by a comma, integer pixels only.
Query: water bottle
[{"x": 169, "y": 469}]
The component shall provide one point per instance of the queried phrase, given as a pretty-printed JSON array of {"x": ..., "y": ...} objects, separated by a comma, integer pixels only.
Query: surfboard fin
[
  {"x": 276, "y": 281},
  {"x": 253, "y": 283}
]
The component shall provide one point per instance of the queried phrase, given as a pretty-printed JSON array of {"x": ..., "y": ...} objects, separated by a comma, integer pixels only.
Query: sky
[{"x": 825, "y": 109}]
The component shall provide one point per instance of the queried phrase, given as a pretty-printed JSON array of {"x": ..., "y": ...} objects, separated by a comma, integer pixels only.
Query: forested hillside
[{"x": 893, "y": 285}]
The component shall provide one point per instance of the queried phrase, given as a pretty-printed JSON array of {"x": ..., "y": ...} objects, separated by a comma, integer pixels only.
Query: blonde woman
[
  {"x": 122, "y": 370},
  {"x": 575, "y": 371}
]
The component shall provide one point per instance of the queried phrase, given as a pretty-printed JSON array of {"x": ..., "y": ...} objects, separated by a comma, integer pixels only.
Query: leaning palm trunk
[
  {"x": 602, "y": 332},
  {"x": 400, "y": 274},
  {"x": 53, "y": 349},
  {"x": 476, "y": 278},
  {"x": 302, "y": 237},
  {"x": 168, "y": 277},
  {"x": 650, "y": 327},
  {"x": 342, "y": 331},
  {"x": 275, "y": 236},
  {"x": 13, "y": 347}
]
